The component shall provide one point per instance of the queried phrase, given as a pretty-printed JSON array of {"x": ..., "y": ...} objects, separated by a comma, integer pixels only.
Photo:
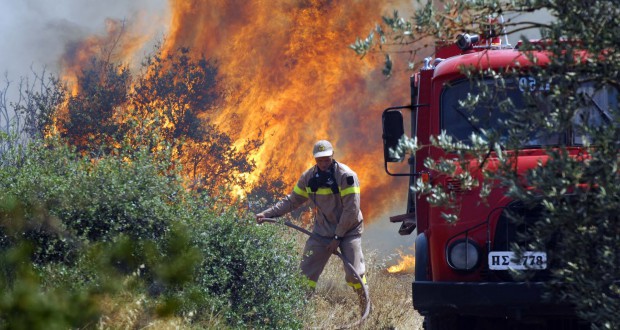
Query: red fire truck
[{"x": 463, "y": 270}]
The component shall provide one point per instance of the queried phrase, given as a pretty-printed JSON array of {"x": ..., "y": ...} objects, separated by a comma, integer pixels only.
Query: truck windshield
[
  {"x": 460, "y": 121},
  {"x": 598, "y": 110}
]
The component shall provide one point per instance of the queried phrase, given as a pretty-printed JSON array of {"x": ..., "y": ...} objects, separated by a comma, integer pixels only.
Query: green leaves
[
  {"x": 362, "y": 46},
  {"x": 75, "y": 229},
  {"x": 570, "y": 104},
  {"x": 243, "y": 264}
]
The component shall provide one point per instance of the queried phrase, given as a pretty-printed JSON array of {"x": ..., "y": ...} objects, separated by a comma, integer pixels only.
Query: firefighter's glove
[
  {"x": 259, "y": 218},
  {"x": 333, "y": 246}
]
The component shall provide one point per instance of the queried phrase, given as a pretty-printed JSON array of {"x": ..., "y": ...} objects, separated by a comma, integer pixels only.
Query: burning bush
[{"x": 167, "y": 106}]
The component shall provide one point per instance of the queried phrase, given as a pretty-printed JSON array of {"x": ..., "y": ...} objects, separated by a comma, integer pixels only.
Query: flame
[
  {"x": 118, "y": 42},
  {"x": 289, "y": 76},
  {"x": 405, "y": 265},
  {"x": 292, "y": 73}
]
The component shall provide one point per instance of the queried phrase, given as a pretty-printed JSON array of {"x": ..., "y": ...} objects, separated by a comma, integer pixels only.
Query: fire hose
[{"x": 346, "y": 263}]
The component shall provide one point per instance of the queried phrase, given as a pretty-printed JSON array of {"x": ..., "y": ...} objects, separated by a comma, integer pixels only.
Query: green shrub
[
  {"x": 126, "y": 222},
  {"x": 252, "y": 269},
  {"x": 90, "y": 200},
  {"x": 28, "y": 304}
]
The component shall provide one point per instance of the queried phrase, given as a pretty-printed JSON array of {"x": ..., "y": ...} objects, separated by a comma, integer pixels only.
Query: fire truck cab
[{"x": 462, "y": 270}]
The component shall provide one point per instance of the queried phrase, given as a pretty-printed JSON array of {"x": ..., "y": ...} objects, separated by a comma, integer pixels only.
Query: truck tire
[
  {"x": 440, "y": 322},
  {"x": 421, "y": 258},
  {"x": 448, "y": 322}
]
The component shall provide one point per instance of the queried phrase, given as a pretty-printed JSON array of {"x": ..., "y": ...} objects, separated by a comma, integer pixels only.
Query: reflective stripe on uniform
[
  {"x": 328, "y": 191},
  {"x": 311, "y": 283},
  {"x": 357, "y": 285},
  {"x": 320, "y": 191},
  {"x": 300, "y": 192},
  {"x": 350, "y": 190}
]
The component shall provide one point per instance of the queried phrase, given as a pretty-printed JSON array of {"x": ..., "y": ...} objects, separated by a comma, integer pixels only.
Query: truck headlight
[{"x": 463, "y": 255}]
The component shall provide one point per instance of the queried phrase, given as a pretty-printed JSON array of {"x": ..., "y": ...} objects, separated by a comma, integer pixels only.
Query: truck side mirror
[{"x": 393, "y": 130}]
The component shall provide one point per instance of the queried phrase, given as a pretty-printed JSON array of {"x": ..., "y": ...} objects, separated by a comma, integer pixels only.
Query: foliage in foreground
[
  {"x": 75, "y": 230},
  {"x": 577, "y": 194}
]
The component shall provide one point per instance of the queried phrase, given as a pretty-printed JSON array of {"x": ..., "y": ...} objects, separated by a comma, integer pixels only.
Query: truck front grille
[{"x": 513, "y": 227}]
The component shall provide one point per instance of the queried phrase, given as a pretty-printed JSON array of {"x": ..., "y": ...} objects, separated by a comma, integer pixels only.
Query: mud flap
[{"x": 408, "y": 223}]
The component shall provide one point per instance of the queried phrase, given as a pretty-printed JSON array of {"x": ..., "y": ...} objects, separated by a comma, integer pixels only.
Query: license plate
[{"x": 503, "y": 260}]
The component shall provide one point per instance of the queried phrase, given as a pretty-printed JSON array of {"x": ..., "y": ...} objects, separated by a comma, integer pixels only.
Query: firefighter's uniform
[{"x": 338, "y": 215}]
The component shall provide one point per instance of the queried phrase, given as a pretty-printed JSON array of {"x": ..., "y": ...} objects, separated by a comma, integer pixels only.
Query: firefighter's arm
[
  {"x": 350, "y": 195},
  {"x": 287, "y": 204}
]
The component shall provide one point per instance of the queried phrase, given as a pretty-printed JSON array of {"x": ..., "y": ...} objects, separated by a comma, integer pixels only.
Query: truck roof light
[
  {"x": 465, "y": 41},
  {"x": 425, "y": 177},
  {"x": 427, "y": 63}
]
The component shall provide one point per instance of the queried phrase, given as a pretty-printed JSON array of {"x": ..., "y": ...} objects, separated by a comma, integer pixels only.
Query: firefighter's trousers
[{"x": 315, "y": 258}]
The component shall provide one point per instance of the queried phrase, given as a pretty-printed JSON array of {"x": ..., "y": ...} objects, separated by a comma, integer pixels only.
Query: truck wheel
[
  {"x": 448, "y": 322},
  {"x": 440, "y": 322}
]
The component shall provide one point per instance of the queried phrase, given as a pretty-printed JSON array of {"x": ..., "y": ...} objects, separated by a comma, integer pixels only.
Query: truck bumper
[{"x": 508, "y": 299}]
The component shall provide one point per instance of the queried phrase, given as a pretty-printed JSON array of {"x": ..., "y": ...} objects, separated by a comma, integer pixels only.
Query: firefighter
[{"x": 334, "y": 190}]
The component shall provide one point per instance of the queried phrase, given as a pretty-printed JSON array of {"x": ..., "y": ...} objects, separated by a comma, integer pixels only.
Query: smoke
[{"x": 35, "y": 33}]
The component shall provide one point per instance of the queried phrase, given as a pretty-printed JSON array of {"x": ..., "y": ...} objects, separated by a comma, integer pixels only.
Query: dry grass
[
  {"x": 127, "y": 311},
  {"x": 335, "y": 304}
]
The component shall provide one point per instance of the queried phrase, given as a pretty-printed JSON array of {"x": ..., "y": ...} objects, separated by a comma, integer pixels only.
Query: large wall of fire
[{"x": 287, "y": 70}]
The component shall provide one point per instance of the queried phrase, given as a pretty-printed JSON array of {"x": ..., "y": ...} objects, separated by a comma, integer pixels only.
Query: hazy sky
[{"x": 35, "y": 32}]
